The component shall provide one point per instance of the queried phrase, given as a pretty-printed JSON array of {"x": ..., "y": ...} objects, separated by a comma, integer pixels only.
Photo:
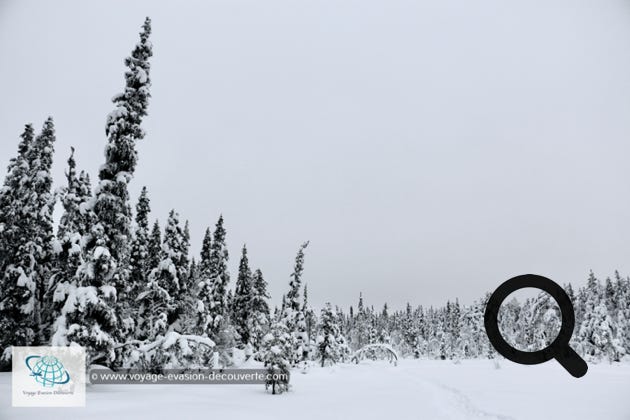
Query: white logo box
[{"x": 48, "y": 377}]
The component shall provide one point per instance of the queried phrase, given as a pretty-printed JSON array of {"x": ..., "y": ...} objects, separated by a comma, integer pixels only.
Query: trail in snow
[
  {"x": 465, "y": 404},
  {"x": 455, "y": 403}
]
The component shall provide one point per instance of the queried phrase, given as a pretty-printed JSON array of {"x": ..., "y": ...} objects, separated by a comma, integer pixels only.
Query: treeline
[
  {"x": 454, "y": 331},
  {"x": 127, "y": 290}
]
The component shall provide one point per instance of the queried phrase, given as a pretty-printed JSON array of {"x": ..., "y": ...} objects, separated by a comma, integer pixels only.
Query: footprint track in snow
[{"x": 459, "y": 400}]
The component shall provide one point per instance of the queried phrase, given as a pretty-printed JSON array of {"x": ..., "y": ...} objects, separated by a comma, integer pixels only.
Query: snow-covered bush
[{"x": 173, "y": 351}]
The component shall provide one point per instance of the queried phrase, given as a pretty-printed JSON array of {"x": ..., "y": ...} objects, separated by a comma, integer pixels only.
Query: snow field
[{"x": 415, "y": 389}]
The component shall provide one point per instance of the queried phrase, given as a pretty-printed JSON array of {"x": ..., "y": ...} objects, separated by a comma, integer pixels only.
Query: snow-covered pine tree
[
  {"x": 243, "y": 294},
  {"x": 212, "y": 306},
  {"x": 259, "y": 317},
  {"x": 350, "y": 319},
  {"x": 75, "y": 221},
  {"x": 139, "y": 258},
  {"x": 193, "y": 277},
  {"x": 430, "y": 333},
  {"x": 508, "y": 319},
  {"x": 154, "y": 247},
  {"x": 409, "y": 331},
  {"x": 219, "y": 278},
  {"x": 455, "y": 331},
  {"x": 204, "y": 290},
  {"x": 383, "y": 336},
  {"x": 13, "y": 329},
  {"x": 546, "y": 321},
  {"x": 372, "y": 334},
  {"x": 570, "y": 292},
  {"x": 590, "y": 299},
  {"x": 159, "y": 303},
  {"x": 74, "y": 225},
  {"x": 26, "y": 233},
  {"x": 39, "y": 215},
  {"x": 185, "y": 284},
  {"x": 342, "y": 343},
  {"x": 16, "y": 173},
  {"x": 327, "y": 342},
  {"x": 311, "y": 323},
  {"x": 10, "y": 193},
  {"x": 229, "y": 300},
  {"x": 421, "y": 339},
  {"x": 277, "y": 354},
  {"x": 361, "y": 325},
  {"x": 383, "y": 320},
  {"x": 485, "y": 343},
  {"x": 294, "y": 316},
  {"x": 155, "y": 301},
  {"x": 372, "y": 331},
  {"x": 206, "y": 252},
  {"x": 89, "y": 317},
  {"x": 186, "y": 302},
  {"x": 526, "y": 328},
  {"x": 342, "y": 321},
  {"x": 577, "y": 309},
  {"x": 447, "y": 337},
  {"x": 609, "y": 295}
]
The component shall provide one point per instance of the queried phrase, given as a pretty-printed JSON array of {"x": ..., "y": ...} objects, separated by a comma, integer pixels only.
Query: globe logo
[{"x": 47, "y": 370}]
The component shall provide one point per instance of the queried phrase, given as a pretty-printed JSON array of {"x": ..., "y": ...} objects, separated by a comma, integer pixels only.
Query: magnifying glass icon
[{"x": 559, "y": 349}]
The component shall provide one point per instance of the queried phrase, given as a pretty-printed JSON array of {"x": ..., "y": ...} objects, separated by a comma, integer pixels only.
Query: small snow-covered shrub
[
  {"x": 278, "y": 348},
  {"x": 173, "y": 351}
]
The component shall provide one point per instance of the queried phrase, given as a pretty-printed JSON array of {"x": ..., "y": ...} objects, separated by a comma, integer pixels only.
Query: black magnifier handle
[{"x": 572, "y": 362}]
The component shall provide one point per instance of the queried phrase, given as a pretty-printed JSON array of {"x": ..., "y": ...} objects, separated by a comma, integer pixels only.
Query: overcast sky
[{"x": 428, "y": 149}]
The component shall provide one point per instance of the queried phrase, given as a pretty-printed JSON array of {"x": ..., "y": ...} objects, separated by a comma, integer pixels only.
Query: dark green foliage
[{"x": 242, "y": 301}]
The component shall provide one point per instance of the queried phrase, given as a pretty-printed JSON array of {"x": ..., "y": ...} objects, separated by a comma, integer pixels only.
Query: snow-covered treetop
[
  {"x": 123, "y": 123},
  {"x": 142, "y": 210},
  {"x": 293, "y": 296}
]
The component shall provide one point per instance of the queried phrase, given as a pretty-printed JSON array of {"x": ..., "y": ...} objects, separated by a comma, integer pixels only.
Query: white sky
[{"x": 428, "y": 149}]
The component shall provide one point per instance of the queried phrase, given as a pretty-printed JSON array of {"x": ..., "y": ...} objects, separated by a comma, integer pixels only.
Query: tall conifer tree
[
  {"x": 241, "y": 306},
  {"x": 26, "y": 233},
  {"x": 294, "y": 316},
  {"x": 214, "y": 281},
  {"x": 139, "y": 258},
  {"x": 259, "y": 307},
  {"x": 90, "y": 317}
]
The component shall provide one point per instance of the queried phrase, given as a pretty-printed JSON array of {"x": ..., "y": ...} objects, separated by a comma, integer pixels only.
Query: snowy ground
[{"x": 371, "y": 390}]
